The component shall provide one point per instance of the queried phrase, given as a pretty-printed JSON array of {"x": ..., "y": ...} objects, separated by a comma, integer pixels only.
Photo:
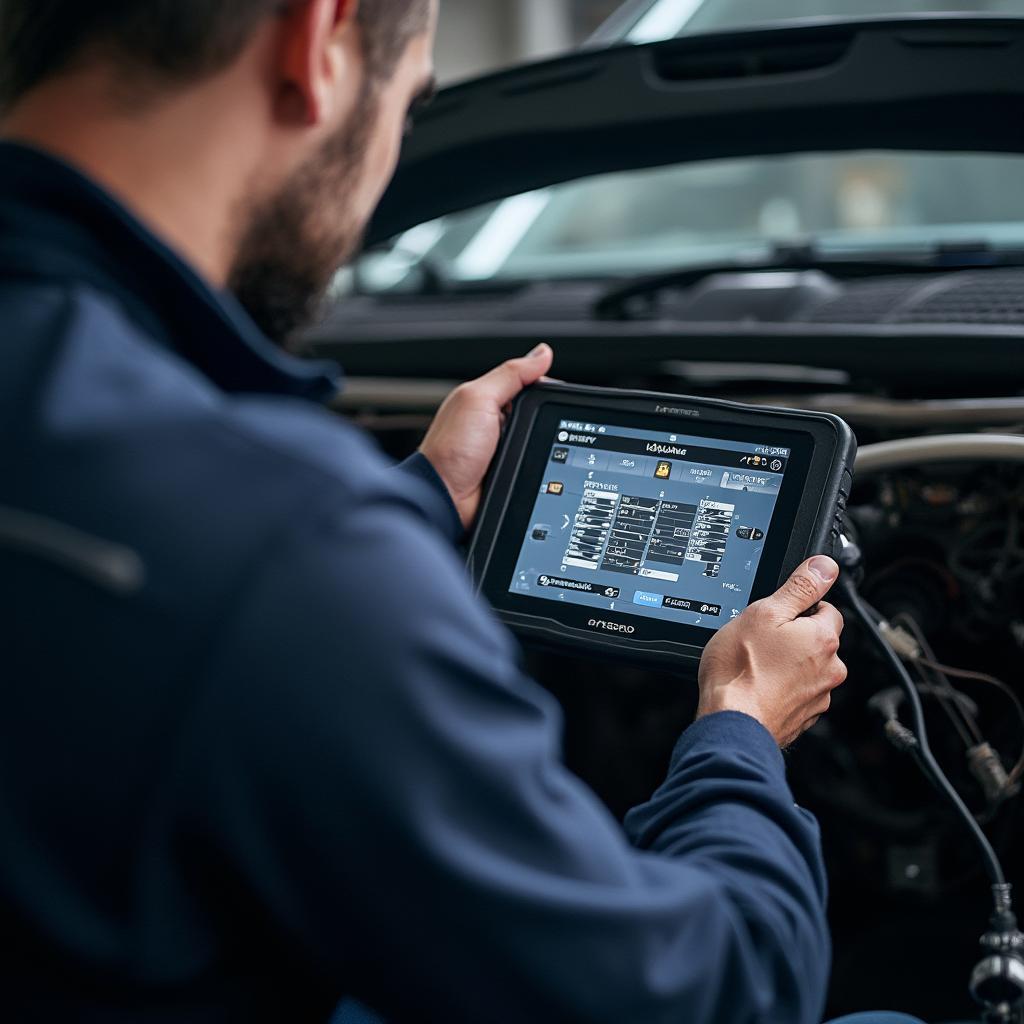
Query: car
[{"x": 819, "y": 213}]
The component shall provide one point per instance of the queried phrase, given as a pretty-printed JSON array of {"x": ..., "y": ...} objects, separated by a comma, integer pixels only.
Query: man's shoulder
[
  {"x": 126, "y": 441},
  {"x": 106, "y": 376}
]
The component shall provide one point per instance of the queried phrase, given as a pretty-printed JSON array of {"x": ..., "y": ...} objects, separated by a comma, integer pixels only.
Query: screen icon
[
  {"x": 560, "y": 455},
  {"x": 664, "y": 471},
  {"x": 541, "y": 533},
  {"x": 556, "y": 488}
]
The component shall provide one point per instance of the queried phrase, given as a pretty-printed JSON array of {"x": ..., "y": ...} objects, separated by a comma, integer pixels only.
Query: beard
[{"x": 292, "y": 244}]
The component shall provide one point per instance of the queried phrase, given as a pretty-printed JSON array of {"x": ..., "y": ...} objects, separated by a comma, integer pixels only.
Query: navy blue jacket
[{"x": 261, "y": 747}]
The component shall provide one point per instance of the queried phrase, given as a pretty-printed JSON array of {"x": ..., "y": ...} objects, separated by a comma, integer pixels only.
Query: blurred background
[
  {"x": 477, "y": 35},
  {"x": 637, "y": 222}
]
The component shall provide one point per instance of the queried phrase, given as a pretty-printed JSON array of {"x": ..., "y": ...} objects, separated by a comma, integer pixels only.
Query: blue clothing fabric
[
  {"x": 353, "y": 1013},
  {"x": 289, "y": 757},
  {"x": 878, "y": 1018}
]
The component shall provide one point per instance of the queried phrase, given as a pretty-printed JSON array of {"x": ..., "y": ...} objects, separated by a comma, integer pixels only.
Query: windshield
[{"x": 651, "y": 220}]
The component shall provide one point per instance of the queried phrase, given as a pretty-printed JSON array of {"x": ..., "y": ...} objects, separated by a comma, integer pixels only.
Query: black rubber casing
[{"x": 808, "y": 520}]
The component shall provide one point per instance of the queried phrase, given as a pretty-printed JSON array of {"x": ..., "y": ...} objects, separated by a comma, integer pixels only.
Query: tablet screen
[{"x": 661, "y": 525}]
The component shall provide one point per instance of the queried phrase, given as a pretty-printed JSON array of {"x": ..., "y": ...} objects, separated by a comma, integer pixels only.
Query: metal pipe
[{"x": 918, "y": 451}]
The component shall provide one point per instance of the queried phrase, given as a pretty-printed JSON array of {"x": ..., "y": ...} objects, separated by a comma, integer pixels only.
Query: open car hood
[{"x": 951, "y": 83}]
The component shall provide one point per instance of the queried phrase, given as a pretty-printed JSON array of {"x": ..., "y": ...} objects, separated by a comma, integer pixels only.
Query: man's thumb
[
  {"x": 504, "y": 383},
  {"x": 805, "y": 588}
]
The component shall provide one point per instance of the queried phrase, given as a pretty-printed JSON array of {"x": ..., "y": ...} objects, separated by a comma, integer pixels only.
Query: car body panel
[{"x": 950, "y": 84}]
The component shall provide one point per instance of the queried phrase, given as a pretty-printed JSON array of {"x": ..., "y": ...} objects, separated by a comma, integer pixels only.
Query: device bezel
[{"x": 823, "y": 449}]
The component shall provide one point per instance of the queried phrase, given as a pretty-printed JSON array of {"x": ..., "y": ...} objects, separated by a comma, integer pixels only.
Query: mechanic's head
[{"x": 290, "y": 112}]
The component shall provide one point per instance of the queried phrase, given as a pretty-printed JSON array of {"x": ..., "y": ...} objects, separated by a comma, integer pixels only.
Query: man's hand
[
  {"x": 464, "y": 437},
  {"x": 774, "y": 665}
]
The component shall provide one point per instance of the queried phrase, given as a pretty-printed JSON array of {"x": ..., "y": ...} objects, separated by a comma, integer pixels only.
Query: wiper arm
[
  {"x": 621, "y": 301},
  {"x": 430, "y": 272}
]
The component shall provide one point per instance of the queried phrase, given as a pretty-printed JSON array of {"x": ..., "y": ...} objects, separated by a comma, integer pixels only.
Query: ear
[{"x": 312, "y": 58}]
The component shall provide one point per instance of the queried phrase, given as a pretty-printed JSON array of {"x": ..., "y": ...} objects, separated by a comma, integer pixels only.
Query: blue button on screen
[{"x": 652, "y": 600}]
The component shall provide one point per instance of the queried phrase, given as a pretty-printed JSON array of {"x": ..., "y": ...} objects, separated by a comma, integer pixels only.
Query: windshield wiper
[{"x": 636, "y": 298}]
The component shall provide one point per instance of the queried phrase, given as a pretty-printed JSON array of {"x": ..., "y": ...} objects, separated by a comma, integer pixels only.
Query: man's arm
[
  {"x": 460, "y": 445},
  {"x": 443, "y": 514},
  {"x": 383, "y": 780},
  {"x": 718, "y": 805}
]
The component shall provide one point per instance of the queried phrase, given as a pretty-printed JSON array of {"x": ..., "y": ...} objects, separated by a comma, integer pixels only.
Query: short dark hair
[{"x": 171, "y": 41}]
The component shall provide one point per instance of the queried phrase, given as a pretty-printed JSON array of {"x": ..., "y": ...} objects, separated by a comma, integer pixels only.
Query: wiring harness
[{"x": 998, "y": 981}]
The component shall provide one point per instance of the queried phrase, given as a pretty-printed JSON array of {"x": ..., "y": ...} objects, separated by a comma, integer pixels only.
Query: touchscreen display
[{"x": 661, "y": 525}]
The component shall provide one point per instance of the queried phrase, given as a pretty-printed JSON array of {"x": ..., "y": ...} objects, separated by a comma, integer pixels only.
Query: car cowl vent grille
[{"x": 969, "y": 297}]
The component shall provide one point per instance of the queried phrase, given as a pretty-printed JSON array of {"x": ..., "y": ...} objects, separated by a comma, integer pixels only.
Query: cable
[
  {"x": 911, "y": 645},
  {"x": 939, "y": 687},
  {"x": 997, "y": 982},
  {"x": 997, "y": 782},
  {"x": 965, "y": 725},
  {"x": 926, "y": 757},
  {"x": 982, "y": 677}
]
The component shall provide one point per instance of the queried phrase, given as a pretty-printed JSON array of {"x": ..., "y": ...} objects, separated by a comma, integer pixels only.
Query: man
[{"x": 261, "y": 749}]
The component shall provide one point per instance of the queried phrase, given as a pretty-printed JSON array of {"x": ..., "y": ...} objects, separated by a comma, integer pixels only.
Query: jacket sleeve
[
  {"x": 386, "y": 784},
  {"x": 725, "y": 808},
  {"x": 444, "y": 515}
]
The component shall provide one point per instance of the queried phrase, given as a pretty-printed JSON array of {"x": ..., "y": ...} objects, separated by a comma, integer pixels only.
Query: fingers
[
  {"x": 839, "y": 673},
  {"x": 503, "y": 384},
  {"x": 818, "y": 711},
  {"x": 829, "y": 618},
  {"x": 804, "y": 589}
]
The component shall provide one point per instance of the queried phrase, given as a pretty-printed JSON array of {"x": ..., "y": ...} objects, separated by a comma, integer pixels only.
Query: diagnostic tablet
[{"x": 639, "y": 524}]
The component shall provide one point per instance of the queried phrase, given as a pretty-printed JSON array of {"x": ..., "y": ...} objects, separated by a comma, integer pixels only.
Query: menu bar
[{"x": 678, "y": 452}]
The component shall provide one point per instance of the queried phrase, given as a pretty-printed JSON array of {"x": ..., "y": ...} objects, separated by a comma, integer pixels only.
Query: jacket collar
[{"x": 56, "y": 223}]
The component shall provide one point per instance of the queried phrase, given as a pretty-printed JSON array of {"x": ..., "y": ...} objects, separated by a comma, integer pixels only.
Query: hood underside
[{"x": 949, "y": 84}]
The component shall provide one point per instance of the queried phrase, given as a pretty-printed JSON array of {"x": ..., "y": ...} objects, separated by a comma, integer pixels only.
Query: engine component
[{"x": 997, "y": 983}]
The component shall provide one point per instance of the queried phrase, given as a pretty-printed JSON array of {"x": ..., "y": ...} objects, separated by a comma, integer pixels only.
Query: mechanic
[{"x": 262, "y": 750}]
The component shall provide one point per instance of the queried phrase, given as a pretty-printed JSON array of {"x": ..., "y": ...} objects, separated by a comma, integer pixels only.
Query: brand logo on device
[
  {"x": 674, "y": 410},
  {"x": 612, "y": 627}
]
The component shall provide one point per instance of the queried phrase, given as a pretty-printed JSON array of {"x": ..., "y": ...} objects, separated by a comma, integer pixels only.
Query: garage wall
[{"x": 478, "y": 35}]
